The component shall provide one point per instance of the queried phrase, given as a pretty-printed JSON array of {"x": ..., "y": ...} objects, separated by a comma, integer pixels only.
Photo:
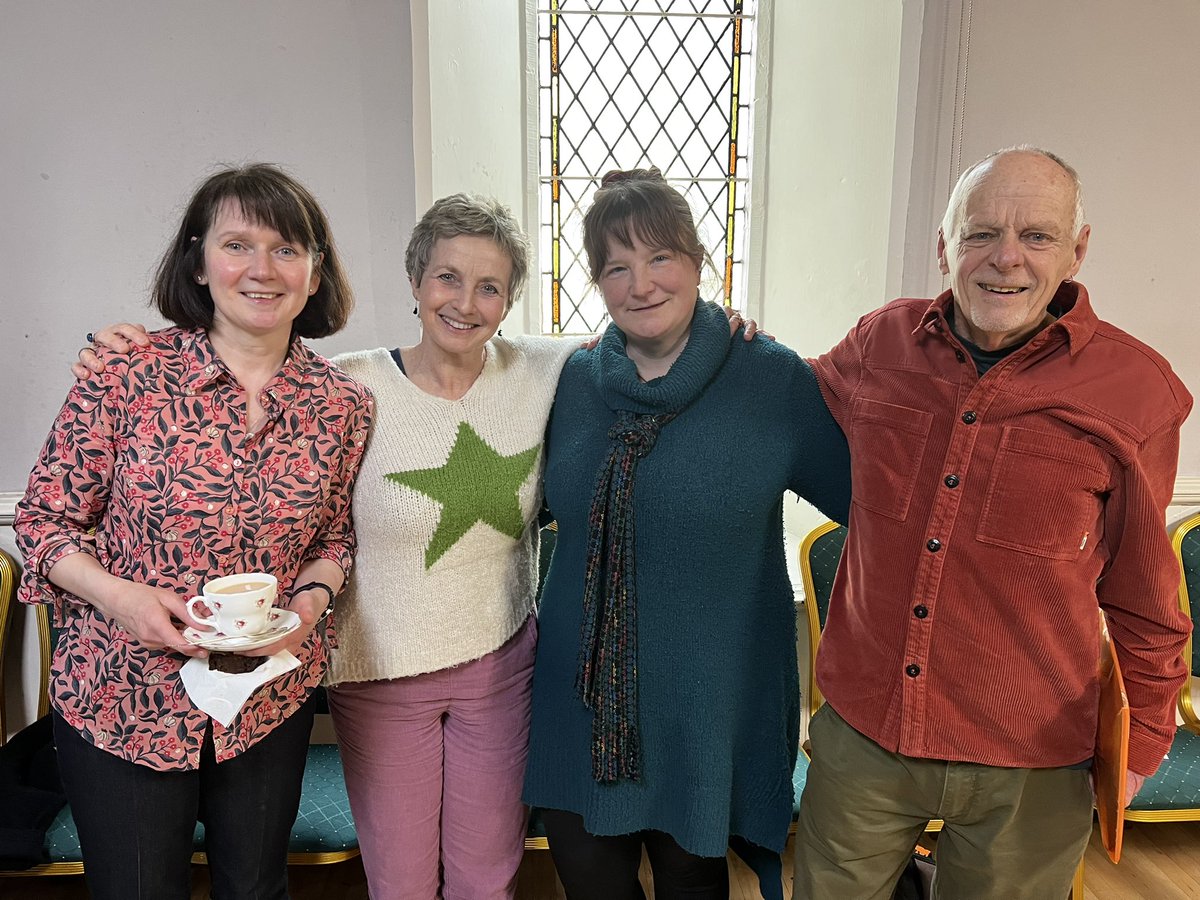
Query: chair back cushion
[{"x": 823, "y": 556}]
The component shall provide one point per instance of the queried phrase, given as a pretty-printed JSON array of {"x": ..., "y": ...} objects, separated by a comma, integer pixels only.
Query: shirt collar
[
  {"x": 1077, "y": 324},
  {"x": 205, "y": 369},
  {"x": 294, "y": 377}
]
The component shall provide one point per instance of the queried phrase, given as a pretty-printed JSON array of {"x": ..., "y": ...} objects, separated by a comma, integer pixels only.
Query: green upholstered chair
[
  {"x": 324, "y": 830},
  {"x": 535, "y": 836},
  {"x": 62, "y": 842},
  {"x": 323, "y": 833},
  {"x": 1173, "y": 794},
  {"x": 62, "y": 848},
  {"x": 820, "y": 553},
  {"x": 799, "y": 776}
]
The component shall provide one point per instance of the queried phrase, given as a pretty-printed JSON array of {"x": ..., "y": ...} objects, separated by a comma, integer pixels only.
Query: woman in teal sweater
[{"x": 665, "y": 698}]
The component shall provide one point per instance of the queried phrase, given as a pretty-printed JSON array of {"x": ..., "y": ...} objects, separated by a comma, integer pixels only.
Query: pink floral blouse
[{"x": 150, "y": 469}]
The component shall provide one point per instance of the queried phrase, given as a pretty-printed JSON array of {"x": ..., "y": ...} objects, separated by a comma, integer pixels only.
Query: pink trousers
[{"x": 434, "y": 766}]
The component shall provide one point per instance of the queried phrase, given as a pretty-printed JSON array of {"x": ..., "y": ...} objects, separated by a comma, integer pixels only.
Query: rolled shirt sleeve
[{"x": 69, "y": 486}]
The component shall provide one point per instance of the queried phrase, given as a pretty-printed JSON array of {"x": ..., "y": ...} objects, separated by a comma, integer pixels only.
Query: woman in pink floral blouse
[{"x": 224, "y": 446}]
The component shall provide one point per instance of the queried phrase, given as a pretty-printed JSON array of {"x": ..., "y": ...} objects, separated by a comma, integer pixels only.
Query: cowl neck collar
[{"x": 616, "y": 377}]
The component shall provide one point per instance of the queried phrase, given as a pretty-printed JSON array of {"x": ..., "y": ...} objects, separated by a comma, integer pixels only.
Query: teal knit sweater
[{"x": 716, "y": 638}]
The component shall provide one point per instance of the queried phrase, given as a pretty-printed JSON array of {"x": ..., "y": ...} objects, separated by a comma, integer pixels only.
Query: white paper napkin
[{"x": 222, "y": 694}]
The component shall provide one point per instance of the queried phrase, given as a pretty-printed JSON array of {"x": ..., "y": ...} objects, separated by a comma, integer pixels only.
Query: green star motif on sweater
[{"x": 476, "y": 484}]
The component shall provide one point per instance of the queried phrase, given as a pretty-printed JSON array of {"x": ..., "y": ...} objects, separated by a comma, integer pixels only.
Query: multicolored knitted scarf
[{"x": 606, "y": 679}]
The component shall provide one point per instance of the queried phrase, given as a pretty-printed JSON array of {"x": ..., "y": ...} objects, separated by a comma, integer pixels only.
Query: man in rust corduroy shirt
[{"x": 1013, "y": 457}]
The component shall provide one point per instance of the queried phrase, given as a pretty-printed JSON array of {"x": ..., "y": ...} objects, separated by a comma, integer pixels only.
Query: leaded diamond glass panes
[{"x": 628, "y": 84}]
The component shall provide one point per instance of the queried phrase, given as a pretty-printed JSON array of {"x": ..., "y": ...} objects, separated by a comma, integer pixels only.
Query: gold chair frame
[{"x": 8, "y": 590}]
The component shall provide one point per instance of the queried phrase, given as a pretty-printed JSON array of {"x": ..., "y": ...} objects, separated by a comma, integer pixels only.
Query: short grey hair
[
  {"x": 960, "y": 187},
  {"x": 473, "y": 216}
]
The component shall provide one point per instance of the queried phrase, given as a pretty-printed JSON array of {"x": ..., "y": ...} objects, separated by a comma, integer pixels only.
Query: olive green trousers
[{"x": 1010, "y": 834}]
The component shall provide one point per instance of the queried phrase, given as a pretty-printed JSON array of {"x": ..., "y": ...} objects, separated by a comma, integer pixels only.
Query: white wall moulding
[
  {"x": 1187, "y": 491},
  {"x": 8, "y": 506}
]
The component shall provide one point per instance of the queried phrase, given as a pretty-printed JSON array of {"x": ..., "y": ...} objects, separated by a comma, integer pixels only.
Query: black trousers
[
  {"x": 598, "y": 867},
  {"x": 136, "y": 824}
]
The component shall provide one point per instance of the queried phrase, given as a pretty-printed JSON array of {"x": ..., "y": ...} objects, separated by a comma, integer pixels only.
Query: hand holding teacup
[
  {"x": 310, "y": 603},
  {"x": 238, "y": 605}
]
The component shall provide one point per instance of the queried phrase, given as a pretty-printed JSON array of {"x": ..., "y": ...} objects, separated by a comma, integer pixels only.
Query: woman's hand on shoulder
[
  {"x": 119, "y": 338},
  {"x": 737, "y": 320},
  {"x": 308, "y": 605}
]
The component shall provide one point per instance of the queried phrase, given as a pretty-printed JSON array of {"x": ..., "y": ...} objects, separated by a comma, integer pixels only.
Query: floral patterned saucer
[{"x": 283, "y": 621}]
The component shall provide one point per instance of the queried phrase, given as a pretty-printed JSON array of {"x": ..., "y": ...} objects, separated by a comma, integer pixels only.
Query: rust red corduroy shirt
[{"x": 990, "y": 516}]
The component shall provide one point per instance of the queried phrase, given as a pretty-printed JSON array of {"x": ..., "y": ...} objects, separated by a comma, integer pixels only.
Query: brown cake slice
[{"x": 233, "y": 663}]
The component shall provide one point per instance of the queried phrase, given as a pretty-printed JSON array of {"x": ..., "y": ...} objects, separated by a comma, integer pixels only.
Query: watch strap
[{"x": 319, "y": 585}]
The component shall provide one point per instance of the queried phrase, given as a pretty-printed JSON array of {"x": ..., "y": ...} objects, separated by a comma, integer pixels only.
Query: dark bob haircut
[
  {"x": 265, "y": 195},
  {"x": 640, "y": 203}
]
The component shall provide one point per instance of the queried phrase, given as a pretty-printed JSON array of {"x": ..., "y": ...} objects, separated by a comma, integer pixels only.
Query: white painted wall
[
  {"x": 112, "y": 112},
  {"x": 834, "y": 89},
  {"x": 474, "y": 96},
  {"x": 1113, "y": 88},
  {"x": 471, "y": 113}
]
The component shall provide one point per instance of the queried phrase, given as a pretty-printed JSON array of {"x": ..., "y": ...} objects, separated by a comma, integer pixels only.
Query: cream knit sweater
[{"x": 446, "y": 513}]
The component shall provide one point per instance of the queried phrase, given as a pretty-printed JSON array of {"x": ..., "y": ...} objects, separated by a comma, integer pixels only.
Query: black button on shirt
[
  {"x": 951, "y": 481},
  {"x": 969, "y": 417},
  {"x": 912, "y": 670},
  {"x": 920, "y": 611},
  {"x": 934, "y": 545}
]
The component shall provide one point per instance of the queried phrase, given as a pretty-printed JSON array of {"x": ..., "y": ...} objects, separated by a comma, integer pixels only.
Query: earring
[
  {"x": 414, "y": 309},
  {"x": 200, "y": 279}
]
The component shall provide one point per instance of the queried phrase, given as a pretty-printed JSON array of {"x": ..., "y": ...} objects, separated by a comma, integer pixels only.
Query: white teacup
[{"x": 238, "y": 604}]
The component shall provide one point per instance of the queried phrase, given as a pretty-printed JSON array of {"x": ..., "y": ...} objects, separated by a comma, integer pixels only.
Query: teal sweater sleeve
[{"x": 821, "y": 470}]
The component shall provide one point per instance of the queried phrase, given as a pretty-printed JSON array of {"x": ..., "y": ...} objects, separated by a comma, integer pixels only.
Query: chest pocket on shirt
[
  {"x": 1045, "y": 495},
  {"x": 889, "y": 443}
]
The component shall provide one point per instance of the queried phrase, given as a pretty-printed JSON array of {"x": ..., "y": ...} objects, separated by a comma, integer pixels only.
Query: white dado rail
[{"x": 1187, "y": 493}]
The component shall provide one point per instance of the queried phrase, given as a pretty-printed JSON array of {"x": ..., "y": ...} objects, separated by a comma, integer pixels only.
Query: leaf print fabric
[{"x": 150, "y": 469}]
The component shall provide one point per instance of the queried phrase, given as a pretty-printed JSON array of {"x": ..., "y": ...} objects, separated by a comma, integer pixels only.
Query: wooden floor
[{"x": 1160, "y": 862}]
